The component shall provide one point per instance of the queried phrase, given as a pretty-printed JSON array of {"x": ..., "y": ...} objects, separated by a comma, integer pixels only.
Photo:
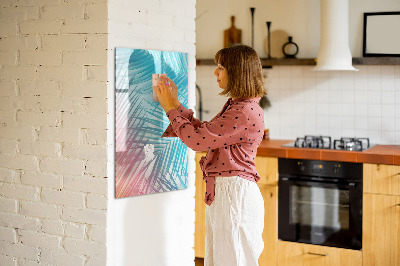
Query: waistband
[{"x": 229, "y": 179}]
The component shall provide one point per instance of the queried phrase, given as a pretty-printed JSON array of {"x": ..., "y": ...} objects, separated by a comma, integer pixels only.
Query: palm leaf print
[{"x": 145, "y": 163}]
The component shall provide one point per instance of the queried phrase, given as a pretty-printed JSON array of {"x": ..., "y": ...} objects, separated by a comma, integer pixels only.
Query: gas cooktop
[{"x": 325, "y": 142}]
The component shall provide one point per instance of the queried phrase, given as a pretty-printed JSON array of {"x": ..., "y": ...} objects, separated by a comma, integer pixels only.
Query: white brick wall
[
  {"x": 53, "y": 128},
  {"x": 53, "y": 110}
]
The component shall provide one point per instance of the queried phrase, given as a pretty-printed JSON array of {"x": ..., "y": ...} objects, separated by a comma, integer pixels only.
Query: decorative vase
[{"x": 290, "y": 49}]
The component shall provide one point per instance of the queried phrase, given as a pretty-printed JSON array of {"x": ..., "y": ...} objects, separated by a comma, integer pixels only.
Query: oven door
[{"x": 321, "y": 212}]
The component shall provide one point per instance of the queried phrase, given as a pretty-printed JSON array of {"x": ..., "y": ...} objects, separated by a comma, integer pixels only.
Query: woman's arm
[
  {"x": 228, "y": 129},
  {"x": 187, "y": 113}
]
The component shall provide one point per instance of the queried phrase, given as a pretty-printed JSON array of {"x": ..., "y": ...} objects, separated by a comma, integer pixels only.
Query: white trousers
[{"x": 234, "y": 223}]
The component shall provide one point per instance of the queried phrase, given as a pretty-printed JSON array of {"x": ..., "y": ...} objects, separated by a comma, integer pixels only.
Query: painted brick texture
[{"x": 53, "y": 110}]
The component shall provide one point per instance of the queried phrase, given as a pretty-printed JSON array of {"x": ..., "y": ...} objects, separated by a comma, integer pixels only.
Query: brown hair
[{"x": 245, "y": 78}]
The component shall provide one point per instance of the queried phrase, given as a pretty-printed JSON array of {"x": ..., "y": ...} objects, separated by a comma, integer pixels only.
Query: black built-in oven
[{"x": 320, "y": 202}]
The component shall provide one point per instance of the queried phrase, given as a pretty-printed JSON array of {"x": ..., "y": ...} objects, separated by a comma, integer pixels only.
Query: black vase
[{"x": 290, "y": 49}]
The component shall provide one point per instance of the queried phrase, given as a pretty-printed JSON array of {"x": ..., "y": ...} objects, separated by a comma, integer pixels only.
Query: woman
[{"x": 235, "y": 207}]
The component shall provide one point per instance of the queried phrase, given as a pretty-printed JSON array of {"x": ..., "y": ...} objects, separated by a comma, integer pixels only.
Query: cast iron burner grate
[
  {"x": 320, "y": 142},
  {"x": 351, "y": 144},
  {"x": 324, "y": 142}
]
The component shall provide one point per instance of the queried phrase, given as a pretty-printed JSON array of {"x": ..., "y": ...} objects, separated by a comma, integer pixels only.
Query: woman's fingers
[
  {"x": 161, "y": 88},
  {"x": 157, "y": 90},
  {"x": 161, "y": 82},
  {"x": 170, "y": 80},
  {"x": 164, "y": 83},
  {"x": 174, "y": 88},
  {"x": 173, "y": 85}
]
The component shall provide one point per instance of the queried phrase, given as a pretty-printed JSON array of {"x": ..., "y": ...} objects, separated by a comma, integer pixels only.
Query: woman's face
[{"x": 222, "y": 76}]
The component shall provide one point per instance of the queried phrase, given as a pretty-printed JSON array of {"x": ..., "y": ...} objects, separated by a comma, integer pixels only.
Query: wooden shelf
[
  {"x": 288, "y": 62},
  {"x": 376, "y": 61},
  {"x": 267, "y": 63},
  {"x": 312, "y": 61}
]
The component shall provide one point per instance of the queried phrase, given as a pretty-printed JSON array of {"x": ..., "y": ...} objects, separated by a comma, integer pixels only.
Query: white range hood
[{"x": 334, "y": 51}]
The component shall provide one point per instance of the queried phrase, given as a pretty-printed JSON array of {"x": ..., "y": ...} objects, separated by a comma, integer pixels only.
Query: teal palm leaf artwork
[{"x": 145, "y": 163}]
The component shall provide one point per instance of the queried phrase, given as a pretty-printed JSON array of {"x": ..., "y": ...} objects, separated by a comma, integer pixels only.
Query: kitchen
[
  {"x": 57, "y": 197},
  {"x": 337, "y": 104}
]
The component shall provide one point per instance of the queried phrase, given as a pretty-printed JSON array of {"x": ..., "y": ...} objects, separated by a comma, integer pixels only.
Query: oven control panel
[{"x": 330, "y": 169}]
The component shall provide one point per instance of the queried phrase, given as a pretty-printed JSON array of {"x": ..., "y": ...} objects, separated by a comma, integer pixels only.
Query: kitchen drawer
[
  {"x": 381, "y": 179},
  {"x": 298, "y": 254}
]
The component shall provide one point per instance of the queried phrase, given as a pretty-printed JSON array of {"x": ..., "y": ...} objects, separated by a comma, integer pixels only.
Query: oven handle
[{"x": 297, "y": 181}]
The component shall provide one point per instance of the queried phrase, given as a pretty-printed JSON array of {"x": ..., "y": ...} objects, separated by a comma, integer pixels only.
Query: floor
[{"x": 198, "y": 261}]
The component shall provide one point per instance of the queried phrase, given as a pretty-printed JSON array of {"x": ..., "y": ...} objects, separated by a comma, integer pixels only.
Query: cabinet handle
[
  {"x": 398, "y": 204},
  {"x": 318, "y": 254}
]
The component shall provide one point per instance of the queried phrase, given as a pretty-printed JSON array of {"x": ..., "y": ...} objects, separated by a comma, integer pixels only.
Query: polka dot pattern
[{"x": 231, "y": 139}]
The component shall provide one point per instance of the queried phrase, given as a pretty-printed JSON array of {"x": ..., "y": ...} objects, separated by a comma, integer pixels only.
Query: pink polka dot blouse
[{"x": 231, "y": 139}]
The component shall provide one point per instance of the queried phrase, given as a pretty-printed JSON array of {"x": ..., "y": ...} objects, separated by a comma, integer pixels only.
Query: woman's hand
[
  {"x": 164, "y": 96},
  {"x": 174, "y": 93}
]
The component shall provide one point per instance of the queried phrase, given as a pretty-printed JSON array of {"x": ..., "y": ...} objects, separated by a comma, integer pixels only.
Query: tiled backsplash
[{"x": 333, "y": 103}]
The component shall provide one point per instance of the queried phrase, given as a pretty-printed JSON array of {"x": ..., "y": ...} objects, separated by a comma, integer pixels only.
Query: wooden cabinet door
[
  {"x": 270, "y": 233},
  {"x": 381, "y": 179},
  {"x": 200, "y": 207},
  {"x": 267, "y": 168},
  {"x": 297, "y": 254},
  {"x": 381, "y": 230}
]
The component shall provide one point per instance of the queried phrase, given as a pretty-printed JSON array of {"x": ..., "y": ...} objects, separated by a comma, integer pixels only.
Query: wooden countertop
[{"x": 379, "y": 154}]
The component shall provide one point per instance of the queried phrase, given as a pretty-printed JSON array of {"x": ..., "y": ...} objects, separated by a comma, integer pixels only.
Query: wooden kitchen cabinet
[
  {"x": 381, "y": 230},
  {"x": 381, "y": 215},
  {"x": 381, "y": 179},
  {"x": 267, "y": 168},
  {"x": 270, "y": 233},
  {"x": 298, "y": 254}
]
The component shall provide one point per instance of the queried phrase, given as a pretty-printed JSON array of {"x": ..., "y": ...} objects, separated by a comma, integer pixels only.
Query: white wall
[
  {"x": 298, "y": 18},
  {"x": 53, "y": 110},
  {"x": 338, "y": 104},
  {"x": 153, "y": 229}
]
